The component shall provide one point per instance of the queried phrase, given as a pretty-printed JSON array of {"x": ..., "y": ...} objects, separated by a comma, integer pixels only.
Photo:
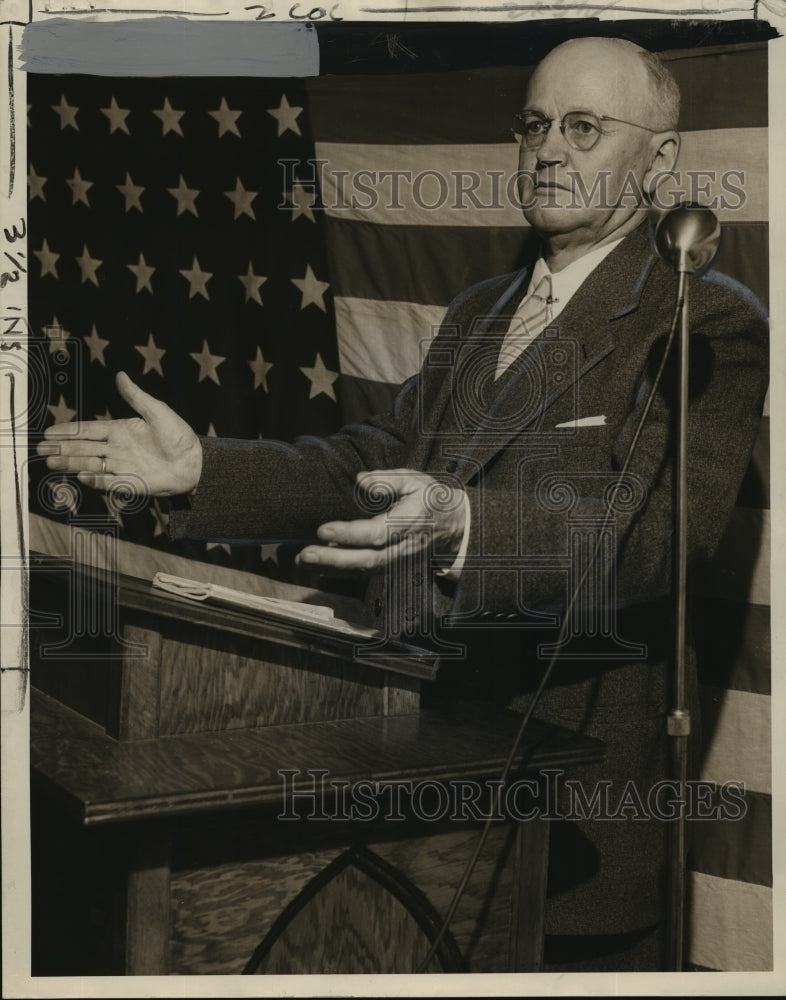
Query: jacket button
[{"x": 452, "y": 465}]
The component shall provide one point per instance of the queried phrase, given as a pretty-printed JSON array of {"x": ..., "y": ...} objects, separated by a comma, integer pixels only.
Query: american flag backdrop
[
  {"x": 183, "y": 230},
  {"x": 175, "y": 247}
]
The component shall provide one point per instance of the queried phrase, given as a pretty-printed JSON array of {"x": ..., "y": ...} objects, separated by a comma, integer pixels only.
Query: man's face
[{"x": 587, "y": 194}]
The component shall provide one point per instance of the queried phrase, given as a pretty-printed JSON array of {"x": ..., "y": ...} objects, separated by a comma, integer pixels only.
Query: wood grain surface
[
  {"x": 139, "y": 706},
  {"x": 110, "y": 781},
  {"x": 148, "y": 909},
  {"x": 402, "y": 694},
  {"x": 353, "y": 925},
  {"x": 182, "y": 668},
  {"x": 529, "y": 893},
  {"x": 222, "y": 912},
  {"x": 211, "y": 682}
]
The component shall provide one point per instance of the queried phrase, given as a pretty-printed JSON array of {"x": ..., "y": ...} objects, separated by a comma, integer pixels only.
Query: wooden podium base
[
  {"x": 171, "y": 856},
  {"x": 180, "y": 823}
]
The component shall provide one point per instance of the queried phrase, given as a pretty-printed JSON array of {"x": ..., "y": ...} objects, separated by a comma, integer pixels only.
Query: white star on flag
[
  {"x": 161, "y": 517},
  {"x": 197, "y": 280},
  {"x": 152, "y": 356},
  {"x": 89, "y": 265},
  {"x": 208, "y": 363},
  {"x": 48, "y": 260},
  {"x": 79, "y": 188},
  {"x": 260, "y": 368},
  {"x": 117, "y": 117},
  {"x": 242, "y": 199},
  {"x": 36, "y": 184},
  {"x": 303, "y": 200},
  {"x": 62, "y": 413},
  {"x": 269, "y": 553},
  {"x": 67, "y": 114},
  {"x": 286, "y": 116},
  {"x": 218, "y": 545},
  {"x": 143, "y": 273},
  {"x": 97, "y": 346},
  {"x": 251, "y": 283},
  {"x": 312, "y": 289},
  {"x": 321, "y": 379},
  {"x": 170, "y": 119},
  {"x": 186, "y": 197},
  {"x": 57, "y": 336},
  {"x": 226, "y": 118},
  {"x": 131, "y": 192}
]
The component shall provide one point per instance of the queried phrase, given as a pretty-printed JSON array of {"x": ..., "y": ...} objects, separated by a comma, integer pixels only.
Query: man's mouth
[{"x": 550, "y": 186}]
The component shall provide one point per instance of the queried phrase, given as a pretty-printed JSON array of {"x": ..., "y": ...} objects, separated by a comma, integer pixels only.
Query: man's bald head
[
  {"x": 589, "y": 181},
  {"x": 638, "y": 80}
]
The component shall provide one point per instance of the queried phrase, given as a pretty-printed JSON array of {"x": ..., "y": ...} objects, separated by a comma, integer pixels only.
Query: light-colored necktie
[{"x": 527, "y": 323}]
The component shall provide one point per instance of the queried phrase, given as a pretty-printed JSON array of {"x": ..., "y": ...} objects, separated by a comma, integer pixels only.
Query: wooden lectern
[{"x": 216, "y": 791}]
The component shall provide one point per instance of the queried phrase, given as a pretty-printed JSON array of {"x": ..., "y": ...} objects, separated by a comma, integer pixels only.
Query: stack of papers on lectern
[{"x": 196, "y": 590}]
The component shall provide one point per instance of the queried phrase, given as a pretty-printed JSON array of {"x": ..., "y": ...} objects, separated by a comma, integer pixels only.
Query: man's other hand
[
  {"x": 157, "y": 447},
  {"x": 424, "y": 511}
]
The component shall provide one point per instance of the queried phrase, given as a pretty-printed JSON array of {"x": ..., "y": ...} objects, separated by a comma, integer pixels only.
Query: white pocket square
[{"x": 585, "y": 422}]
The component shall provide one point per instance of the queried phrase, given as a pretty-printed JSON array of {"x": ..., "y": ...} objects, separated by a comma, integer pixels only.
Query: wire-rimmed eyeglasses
[{"x": 582, "y": 129}]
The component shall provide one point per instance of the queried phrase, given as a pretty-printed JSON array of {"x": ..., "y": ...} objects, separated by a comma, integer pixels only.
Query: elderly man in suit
[{"x": 540, "y": 389}]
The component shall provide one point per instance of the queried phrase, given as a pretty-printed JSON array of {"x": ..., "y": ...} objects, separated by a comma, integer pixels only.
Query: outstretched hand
[
  {"x": 424, "y": 512},
  {"x": 157, "y": 447}
]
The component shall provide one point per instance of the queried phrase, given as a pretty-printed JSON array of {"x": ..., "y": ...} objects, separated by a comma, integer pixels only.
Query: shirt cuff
[{"x": 454, "y": 572}]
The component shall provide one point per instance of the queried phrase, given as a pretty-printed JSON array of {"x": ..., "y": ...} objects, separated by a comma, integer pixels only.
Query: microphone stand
[
  {"x": 679, "y": 721},
  {"x": 687, "y": 238}
]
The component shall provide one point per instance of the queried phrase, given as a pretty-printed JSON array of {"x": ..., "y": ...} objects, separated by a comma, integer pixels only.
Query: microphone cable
[{"x": 503, "y": 777}]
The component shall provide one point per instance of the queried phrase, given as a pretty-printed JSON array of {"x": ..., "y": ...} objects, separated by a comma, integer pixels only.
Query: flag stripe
[
  {"x": 730, "y": 924},
  {"x": 735, "y": 848},
  {"x": 755, "y": 489},
  {"x": 740, "y": 570},
  {"x": 744, "y": 255},
  {"x": 476, "y": 105},
  {"x": 444, "y": 185},
  {"x": 740, "y": 726},
  {"x": 432, "y": 264},
  {"x": 427, "y": 264},
  {"x": 476, "y": 184},
  {"x": 732, "y": 645},
  {"x": 383, "y": 341},
  {"x": 361, "y": 396}
]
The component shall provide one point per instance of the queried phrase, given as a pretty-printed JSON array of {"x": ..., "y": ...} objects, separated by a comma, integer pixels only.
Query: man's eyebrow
[{"x": 570, "y": 111}]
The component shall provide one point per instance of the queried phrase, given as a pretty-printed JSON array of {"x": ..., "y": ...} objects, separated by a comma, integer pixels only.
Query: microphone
[{"x": 687, "y": 237}]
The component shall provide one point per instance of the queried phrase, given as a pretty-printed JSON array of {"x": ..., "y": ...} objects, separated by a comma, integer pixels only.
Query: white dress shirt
[{"x": 565, "y": 283}]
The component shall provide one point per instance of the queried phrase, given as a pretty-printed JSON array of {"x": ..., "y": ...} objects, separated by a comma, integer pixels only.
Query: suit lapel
[
  {"x": 580, "y": 338},
  {"x": 441, "y": 414}
]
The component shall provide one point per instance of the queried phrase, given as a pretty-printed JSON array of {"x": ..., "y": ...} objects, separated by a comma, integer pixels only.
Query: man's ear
[{"x": 665, "y": 149}]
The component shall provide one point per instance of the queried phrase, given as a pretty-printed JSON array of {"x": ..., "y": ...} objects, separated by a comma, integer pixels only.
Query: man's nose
[{"x": 554, "y": 149}]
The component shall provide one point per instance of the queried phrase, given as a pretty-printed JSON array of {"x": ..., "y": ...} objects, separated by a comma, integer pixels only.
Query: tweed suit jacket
[{"x": 537, "y": 452}]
